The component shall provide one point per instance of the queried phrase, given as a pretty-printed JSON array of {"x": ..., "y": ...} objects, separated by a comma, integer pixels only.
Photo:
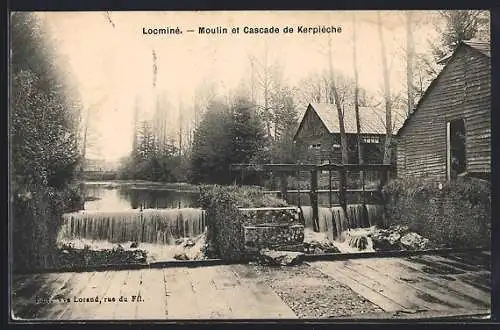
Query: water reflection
[{"x": 116, "y": 197}]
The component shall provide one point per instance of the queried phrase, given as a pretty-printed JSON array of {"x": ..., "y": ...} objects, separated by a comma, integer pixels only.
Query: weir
[
  {"x": 334, "y": 221},
  {"x": 160, "y": 226}
]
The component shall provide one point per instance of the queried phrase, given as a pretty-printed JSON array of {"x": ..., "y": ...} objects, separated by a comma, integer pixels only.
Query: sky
[{"x": 113, "y": 64}]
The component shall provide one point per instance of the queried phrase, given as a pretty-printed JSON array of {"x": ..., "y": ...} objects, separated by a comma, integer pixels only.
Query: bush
[
  {"x": 37, "y": 218},
  {"x": 225, "y": 222},
  {"x": 44, "y": 129},
  {"x": 457, "y": 215}
]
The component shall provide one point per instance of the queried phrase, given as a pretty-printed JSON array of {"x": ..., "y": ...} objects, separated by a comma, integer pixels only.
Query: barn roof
[
  {"x": 480, "y": 46},
  {"x": 372, "y": 119}
]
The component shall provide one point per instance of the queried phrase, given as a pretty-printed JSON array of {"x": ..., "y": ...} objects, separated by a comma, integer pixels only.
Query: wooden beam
[
  {"x": 321, "y": 191},
  {"x": 283, "y": 185},
  {"x": 309, "y": 167},
  {"x": 313, "y": 195}
]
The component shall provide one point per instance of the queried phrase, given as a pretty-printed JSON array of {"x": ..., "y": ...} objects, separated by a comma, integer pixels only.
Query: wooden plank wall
[{"x": 462, "y": 91}]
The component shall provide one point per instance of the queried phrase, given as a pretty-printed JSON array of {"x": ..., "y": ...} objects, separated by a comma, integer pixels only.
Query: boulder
[
  {"x": 384, "y": 240},
  {"x": 139, "y": 256},
  {"x": 134, "y": 245},
  {"x": 413, "y": 241},
  {"x": 316, "y": 247},
  {"x": 119, "y": 248},
  {"x": 400, "y": 229},
  {"x": 280, "y": 258},
  {"x": 189, "y": 243},
  {"x": 181, "y": 256}
]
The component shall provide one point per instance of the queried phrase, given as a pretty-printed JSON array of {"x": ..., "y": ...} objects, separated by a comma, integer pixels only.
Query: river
[{"x": 130, "y": 195}]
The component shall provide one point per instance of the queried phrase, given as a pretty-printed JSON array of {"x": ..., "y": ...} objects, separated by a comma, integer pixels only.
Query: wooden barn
[
  {"x": 318, "y": 136},
  {"x": 449, "y": 133}
]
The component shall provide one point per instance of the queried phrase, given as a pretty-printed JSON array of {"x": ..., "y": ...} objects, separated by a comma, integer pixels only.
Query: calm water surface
[{"x": 117, "y": 196}]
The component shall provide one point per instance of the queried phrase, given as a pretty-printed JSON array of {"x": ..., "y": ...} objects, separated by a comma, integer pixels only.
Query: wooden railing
[{"x": 284, "y": 170}]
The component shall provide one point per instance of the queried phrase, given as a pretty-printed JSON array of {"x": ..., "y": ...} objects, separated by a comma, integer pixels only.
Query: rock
[
  {"x": 139, "y": 256},
  {"x": 179, "y": 241},
  {"x": 280, "y": 258},
  {"x": 401, "y": 230},
  {"x": 189, "y": 243},
  {"x": 359, "y": 242},
  {"x": 383, "y": 240},
  {"x": 318, "y": 250},
  {"x": 332, "y": 249},
  {"x": 413, "y": 241},
  {"x": 119, "y": 248},
  {"x": 134, "y": 245},
  {"x": 181, "y": 256}
]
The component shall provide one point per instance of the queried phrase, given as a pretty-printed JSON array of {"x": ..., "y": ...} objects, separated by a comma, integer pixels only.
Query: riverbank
[{"x": 142, "y": 184}]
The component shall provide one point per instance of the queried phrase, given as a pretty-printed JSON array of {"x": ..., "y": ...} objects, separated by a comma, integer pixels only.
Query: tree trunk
[
  {"x": 410, "y": 59},
  {"x": 356, "y": 103},
  {"x": 387, "y": 96},
  {"x": 356, "y": 91},
  {"x": 334, "y": 97}
]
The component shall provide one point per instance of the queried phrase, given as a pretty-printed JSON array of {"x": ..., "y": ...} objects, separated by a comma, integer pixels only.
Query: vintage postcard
[{"x": 250, "y": 165}]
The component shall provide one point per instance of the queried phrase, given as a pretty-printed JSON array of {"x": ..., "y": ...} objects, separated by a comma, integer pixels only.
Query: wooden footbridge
[{"x": 423, "y": 286}]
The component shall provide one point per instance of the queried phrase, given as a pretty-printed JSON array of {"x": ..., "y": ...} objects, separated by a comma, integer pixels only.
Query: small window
[
  {"x": 336, "y": 146},
  {"x": 315, "y": 146},
  {"x": 370, "y": 139}
]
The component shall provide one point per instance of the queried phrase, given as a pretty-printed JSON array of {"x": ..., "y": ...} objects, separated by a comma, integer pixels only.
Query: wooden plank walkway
[
  {"x": 418, "y": 284},
  {"x": 427, "y": 284},
  {"x": 213, "y": 292}
]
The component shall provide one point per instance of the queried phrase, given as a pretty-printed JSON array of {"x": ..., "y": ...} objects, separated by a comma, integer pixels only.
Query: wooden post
[
  {"x": 314, "y": 199},
  {"x": 284, "y": 185},
  {"x": 342, "y": 189},
  {"x": 383, "y": 177},
  {"x": 298, "y": 184},
  {"x": 330, "y": 184}
]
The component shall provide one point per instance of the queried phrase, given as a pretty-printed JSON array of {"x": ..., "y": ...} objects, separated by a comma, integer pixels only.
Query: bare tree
[
  {"x": 181, "y": 124},
  {"x": 334, "y": 98},
  {"x": 410, "y": 59},
  {"x": 387, "y": 95},
  {"x": 356, "y": 90},
  {"x": 312, "y": 88},
  {"x": 91, "y": 113}
]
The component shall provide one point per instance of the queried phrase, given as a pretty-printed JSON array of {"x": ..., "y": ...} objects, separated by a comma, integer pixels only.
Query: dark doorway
[{"x": 456, "y": 148}]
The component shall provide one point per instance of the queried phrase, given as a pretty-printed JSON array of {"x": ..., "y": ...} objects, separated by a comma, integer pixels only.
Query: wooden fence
[{"x": 285, "y": 170}]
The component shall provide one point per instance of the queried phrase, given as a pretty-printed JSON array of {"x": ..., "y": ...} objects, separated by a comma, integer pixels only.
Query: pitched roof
[
  {"x": 481, "y": 46},
  {"x": 372, "y": 119}
]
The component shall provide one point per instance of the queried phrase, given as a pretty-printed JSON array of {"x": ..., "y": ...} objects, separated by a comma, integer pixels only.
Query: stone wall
[{"x": 273, "y": 228}]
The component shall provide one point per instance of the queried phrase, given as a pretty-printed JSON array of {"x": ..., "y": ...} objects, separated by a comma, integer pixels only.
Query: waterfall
[
  {"x": 150, "y": 225},
  {"x": 334, "y": 221},
  {"x": 375, "y": 215}
]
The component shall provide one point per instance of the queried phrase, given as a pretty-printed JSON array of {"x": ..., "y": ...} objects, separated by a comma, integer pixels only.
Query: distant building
[
  {"x": 318, "y": 136},
  {"x": 449, "y": 133}
]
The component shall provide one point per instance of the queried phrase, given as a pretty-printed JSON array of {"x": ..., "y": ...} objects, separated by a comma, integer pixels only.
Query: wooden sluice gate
[{"x": 341, "y": 191}]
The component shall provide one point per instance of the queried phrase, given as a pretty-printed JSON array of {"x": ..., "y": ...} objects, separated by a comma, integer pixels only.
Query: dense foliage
[
  {"x": 225, "y": 136},
  {"x": 461, "y": 25},
  {"x": 161, "y": 165},
  {"x": 224, "y": 222},
  {"x": 44, "y": 143},
  {"x": 457, "y": 215}
]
